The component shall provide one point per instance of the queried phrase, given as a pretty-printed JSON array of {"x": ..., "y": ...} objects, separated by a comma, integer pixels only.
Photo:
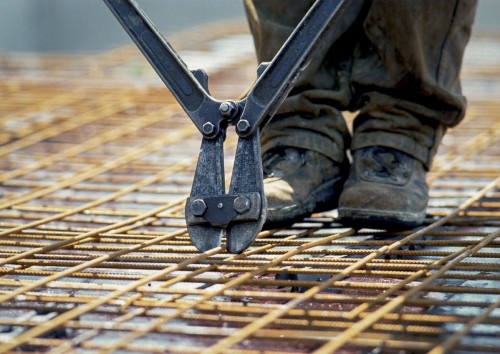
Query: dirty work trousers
[{"x": 395, "y": 62}]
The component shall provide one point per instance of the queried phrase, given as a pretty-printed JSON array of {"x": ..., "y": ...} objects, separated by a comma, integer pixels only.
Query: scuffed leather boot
[
  {"x": 386, "y": 189},
  {"x": 298, "y": 182}
]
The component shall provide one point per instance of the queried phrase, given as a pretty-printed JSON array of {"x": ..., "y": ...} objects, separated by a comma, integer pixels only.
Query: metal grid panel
[{"x": 97, "y": 161}]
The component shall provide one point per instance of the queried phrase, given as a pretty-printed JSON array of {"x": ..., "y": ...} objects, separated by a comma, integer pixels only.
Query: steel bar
[{"x": 94, "y": 254}]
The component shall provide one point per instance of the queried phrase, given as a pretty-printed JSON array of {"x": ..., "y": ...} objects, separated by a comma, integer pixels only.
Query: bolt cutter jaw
[
  {"x": 220, "y": 211},
  {"x": 239, "y": 215}
]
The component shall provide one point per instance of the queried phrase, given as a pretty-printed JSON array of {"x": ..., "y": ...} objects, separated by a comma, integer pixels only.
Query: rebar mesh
[{"x": 96, "y": 163}]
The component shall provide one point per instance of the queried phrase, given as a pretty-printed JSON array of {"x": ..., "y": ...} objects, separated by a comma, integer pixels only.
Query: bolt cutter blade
[
  {"x": 208, "y": 181},
  {"x": 247, "y": 178}
]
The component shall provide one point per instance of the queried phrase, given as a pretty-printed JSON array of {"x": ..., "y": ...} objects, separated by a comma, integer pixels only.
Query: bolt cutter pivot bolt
[
  {"x": 243, "y": 126},
  {"x": 209, "y": 129},
  {"x": 241, "y": 205},
  {"x": 227, "y": 109},
  {"x": 198, "y": 207}
]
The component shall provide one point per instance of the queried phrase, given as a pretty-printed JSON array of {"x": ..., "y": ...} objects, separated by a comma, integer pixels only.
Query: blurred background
[{"x": 88, "y": 26}]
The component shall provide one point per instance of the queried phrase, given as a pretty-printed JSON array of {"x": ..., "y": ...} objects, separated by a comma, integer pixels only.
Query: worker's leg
[
  {"x": 405, "y": 76},
  {"x": 304, "y": 144},
  {"x": 397, "y": 62}
]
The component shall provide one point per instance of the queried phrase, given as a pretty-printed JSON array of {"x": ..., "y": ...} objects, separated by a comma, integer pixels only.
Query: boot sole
[
  {"x": 321, "y": 199},
  {"x": 380, "y": 219}
]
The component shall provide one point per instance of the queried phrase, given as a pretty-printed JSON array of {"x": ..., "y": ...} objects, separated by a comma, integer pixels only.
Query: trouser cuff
[
  {"x": 399, "y": 142},
  {"x": 308, "y": 141},
  {"x": 300, "y": 132}
]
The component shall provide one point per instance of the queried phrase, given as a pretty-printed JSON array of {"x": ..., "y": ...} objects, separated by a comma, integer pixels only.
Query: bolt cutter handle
[{"x": 190, "y": 88}]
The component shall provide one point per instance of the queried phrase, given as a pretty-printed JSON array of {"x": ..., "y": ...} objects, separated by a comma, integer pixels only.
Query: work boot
[
  {"x": 298, "y": 182},
  {"x": 386, "y": 189}
]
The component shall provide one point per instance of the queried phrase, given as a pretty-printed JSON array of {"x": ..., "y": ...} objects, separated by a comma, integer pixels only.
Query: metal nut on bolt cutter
[{"x": 210, "y": 212}]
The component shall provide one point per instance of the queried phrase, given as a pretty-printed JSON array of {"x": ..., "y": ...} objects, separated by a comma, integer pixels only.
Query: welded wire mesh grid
[{"x": 97, "y": 161}]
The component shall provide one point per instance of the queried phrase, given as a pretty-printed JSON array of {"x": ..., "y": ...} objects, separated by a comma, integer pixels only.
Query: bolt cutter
[{"x": 240, "y": 213}]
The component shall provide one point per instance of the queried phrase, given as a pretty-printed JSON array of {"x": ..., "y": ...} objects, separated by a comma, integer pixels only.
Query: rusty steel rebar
[{"x": 96, "y": 164}]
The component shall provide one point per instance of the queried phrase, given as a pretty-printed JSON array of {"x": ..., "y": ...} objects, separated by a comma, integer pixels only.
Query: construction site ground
[{"x": 96, "y": 162}]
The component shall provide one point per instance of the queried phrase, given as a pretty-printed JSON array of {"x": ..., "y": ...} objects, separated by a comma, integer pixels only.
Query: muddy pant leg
[
  {"x": 397, "y": 62},
  {"x": 405, "y": 74},
  {"x": 309, "y": 118}
]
